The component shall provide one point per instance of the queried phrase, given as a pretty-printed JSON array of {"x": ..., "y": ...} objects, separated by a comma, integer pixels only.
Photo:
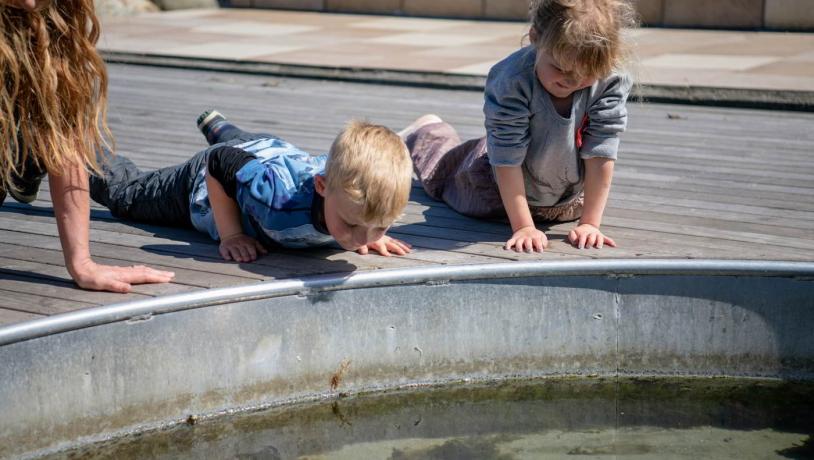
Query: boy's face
[
  {"x": 555, "y": 79},
  {"x": 342, "y": 217}
]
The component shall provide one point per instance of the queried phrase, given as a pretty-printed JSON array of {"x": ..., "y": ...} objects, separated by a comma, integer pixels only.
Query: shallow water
[{"x": 553, "y": 418}]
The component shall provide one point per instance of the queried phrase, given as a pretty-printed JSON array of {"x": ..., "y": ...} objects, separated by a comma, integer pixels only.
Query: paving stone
[
  {"x": 718, "y": 13},
  {"x": 316, "y": 5},
  {"x": 364, "y": 6},
  {"x": 451, "y": 8},
  {"x": 651, "y": 12},
  {"x": 711, "y": 62},
  {"x": 738, "y": 59},
  {"x": 186, "y": 4},
  {"x": 507, "y": 9},
  {"x": 790, "y": 14}
]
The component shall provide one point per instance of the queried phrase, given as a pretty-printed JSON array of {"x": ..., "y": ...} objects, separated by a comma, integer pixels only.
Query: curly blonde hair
[
  {"x": 584, "y": 36},
  {"x": 53, "y": 98}
]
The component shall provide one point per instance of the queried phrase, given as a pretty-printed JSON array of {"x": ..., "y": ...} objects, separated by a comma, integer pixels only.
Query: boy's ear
[{"x": 319, "y": 185}]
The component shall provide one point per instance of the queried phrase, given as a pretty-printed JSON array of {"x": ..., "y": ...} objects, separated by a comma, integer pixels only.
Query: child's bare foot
[{"x": 421, "y": 121}]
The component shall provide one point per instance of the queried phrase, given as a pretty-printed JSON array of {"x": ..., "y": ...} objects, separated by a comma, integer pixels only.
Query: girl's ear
[
  {"x": 533, "y": 35},
  {"x": 319, "y": 185}
]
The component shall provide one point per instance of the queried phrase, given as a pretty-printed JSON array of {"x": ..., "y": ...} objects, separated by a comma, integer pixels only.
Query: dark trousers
[
  {"x": 32, "y": 175},
  {"x": 157, "y": 197}
]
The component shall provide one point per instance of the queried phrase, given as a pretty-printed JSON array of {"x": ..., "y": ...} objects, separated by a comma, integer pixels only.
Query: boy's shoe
[
  {"x": 210, "y": 121},
  {"x": 2, "y": 196},
  {"x": 209, "y": 117},
  {"x": 25, "y": 190}
]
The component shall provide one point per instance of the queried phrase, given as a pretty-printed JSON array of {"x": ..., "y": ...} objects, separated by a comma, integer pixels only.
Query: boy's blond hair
[
  {"x": 371, "y": 164},
  {"x": 585, "y": 37}
]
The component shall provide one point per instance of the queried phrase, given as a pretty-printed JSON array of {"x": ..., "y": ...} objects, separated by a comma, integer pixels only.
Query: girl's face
[{"x": 556, "y": 78}]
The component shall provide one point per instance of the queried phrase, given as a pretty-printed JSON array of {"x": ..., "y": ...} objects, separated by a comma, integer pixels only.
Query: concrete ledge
[{"x": 727, "y": 97}]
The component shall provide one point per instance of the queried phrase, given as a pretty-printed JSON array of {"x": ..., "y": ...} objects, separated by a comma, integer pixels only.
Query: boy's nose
[{"x": 360, "y": 238}]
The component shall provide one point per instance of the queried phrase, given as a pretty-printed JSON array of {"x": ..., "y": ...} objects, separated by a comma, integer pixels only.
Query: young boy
[{"x": 255, "y": 191}]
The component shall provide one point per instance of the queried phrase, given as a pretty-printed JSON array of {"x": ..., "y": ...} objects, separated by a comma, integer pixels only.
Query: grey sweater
[{"x": 524, "y": 128}]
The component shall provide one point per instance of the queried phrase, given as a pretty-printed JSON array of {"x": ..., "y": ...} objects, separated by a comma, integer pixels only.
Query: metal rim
[{"x": 90, "y": 317}]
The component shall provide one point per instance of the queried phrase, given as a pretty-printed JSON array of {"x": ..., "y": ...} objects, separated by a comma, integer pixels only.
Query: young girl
[
  {"x": 52, "y": 101},
  {"x": 553, "y": 114}
]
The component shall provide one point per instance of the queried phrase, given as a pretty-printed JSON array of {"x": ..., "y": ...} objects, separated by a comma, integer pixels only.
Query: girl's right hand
[
  {"x": 528, "y": 239},
  {"x": 241, "y": 248}
]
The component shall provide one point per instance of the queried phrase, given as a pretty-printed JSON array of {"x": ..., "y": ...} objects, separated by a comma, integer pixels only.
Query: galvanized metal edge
[
  {"x": 420, "y": 275},
  {"x": 755, "y": 98}
]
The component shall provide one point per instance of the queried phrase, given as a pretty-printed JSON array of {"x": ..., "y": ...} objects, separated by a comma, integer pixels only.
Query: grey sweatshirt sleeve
[
  {"x": 607, "y": 118},
  {"x": 507, "y": 98}
]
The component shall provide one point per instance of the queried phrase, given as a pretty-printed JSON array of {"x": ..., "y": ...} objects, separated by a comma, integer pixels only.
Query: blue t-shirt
[{"x": 275, "y": 193}]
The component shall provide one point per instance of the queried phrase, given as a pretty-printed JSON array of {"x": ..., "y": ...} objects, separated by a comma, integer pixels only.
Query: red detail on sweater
[{"x": 582, "y": 128}]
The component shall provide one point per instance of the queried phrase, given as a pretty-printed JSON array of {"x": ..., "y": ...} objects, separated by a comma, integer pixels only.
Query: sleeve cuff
[
  {"x": 506, "y": 156},
  {"x": 599, "y": 148},
  {"x": 249, "y": 170}
]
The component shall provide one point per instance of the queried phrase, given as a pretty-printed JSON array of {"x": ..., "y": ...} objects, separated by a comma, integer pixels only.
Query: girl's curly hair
[
  {"x": 586, "y": 36},
  {"x": 53, "y": 98}
]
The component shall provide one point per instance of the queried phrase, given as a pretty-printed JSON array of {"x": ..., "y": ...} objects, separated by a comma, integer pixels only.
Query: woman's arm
[
  {"x": 512, "y": 188},
  {"x": 71, "y": 199}
]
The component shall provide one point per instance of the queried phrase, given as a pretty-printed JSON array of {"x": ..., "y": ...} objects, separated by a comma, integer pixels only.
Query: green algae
[{"x": 484, "y": 420}]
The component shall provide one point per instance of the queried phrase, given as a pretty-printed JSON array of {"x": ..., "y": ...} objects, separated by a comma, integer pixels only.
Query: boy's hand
[
  {"x": 528, "y": 239},
  {"x": 241, "y": 248},
  {"x": 588, "y": 236},
  {"x": 386, "y": 246}
]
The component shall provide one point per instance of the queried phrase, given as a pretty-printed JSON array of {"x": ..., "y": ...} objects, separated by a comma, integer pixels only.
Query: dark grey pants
[{"x": 157, "y": 197}]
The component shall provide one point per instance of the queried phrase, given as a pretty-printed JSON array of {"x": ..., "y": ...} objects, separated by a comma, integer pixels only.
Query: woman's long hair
[{"x": 53, "y": 97}]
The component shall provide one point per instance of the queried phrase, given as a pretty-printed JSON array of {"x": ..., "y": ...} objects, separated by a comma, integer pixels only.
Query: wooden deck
[{"x": 692, "y": 182}]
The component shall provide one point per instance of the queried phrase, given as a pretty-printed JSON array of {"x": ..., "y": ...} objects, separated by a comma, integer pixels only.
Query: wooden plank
[
  {"x": 714, "y": 182},
  {"x": 193, "y": 278},
  {"x": 47, "y": 286},
  {"x": 60, "y": 274},
  {"x": 9, "y": 316},
  {"x": 39, "y": 304}
]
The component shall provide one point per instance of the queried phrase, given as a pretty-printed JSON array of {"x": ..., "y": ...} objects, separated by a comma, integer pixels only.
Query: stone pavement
[{"x": 667, "y": 57}]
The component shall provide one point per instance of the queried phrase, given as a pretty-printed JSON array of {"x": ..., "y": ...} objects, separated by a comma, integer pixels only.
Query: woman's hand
[
  {"x": 588, "y": 236},
  {"x": 386, "y": 246},
  {"x": 96, "y": 277},
  {"x": 527, "y": 239},
  {"x": 70, "y": 197},
  {"x": 241, "y": 248}
]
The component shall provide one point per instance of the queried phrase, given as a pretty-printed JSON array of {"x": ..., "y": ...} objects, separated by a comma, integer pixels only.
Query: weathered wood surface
[{"x": 692, "y": 182}]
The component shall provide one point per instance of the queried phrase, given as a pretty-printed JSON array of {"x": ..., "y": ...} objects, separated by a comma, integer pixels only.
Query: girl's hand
[
  {"x": 528, "y": 239},
  {"x": 386, "y": 246},
  {"x": 588, "y": 236},
  {"x": 241, "y": 248}
]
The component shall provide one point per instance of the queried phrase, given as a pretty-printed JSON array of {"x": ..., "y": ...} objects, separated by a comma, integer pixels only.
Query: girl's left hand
[
  {"x": 588, "y": 236},
  {"x": 386, "y": 246}
]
